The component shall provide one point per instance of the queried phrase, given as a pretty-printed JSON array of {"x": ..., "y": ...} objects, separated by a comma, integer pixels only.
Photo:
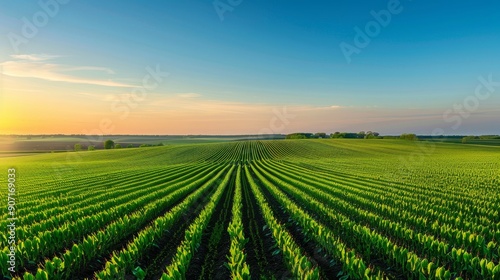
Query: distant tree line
[
  {"x": 359, "y": 135},
  {"x": 408, "y": 136},
  {"x": 79, "y": 147},
  {"x": 318, "y": 135},
  {"x": 351, "y": 135},
  {"x": 110, "y": 144},
  {"x": 150, "y": 145},
  {"x": 470, "y": 138},
  {"x": 322, "y": 135}
]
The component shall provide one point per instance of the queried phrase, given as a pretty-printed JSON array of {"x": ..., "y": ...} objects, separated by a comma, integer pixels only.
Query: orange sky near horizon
[
  {"x": 26, "y": 110},
  {"x": 77, "y": 73},
  {"x": 34, "y": 106}
]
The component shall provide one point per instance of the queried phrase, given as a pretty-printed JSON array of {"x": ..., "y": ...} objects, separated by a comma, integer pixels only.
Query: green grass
[
  {"x": 488, "y": 142},
  {"x": 57, "y": 143},
  {"x": 380, "y": 208}
]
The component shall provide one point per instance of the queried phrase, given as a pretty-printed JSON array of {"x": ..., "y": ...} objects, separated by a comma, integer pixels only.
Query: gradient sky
[{"x": 264, "y": 67}]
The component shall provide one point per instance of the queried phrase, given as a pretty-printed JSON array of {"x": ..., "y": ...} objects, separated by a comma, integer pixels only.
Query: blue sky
[{"x": 261, "y": 55}]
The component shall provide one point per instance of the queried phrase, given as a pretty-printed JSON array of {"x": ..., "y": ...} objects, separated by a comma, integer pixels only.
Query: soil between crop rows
[
  {"x": 208, "y": 262},
  {"x": 261, "y": 245},
  {"x": 389, "y": 270},
  {"x": 160, "y": 256},
  {"x": 309, "y": 247}
]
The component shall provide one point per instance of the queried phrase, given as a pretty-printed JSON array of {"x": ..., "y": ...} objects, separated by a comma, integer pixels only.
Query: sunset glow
[{"x": 179, "y": 68}]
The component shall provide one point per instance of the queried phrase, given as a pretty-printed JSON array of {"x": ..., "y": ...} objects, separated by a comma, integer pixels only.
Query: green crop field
[{"x": 282, "y": 209}]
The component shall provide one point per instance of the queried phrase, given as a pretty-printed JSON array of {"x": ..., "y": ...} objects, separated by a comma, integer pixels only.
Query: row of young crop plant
[
  {"x": 299, "y": 265},
  {"x": 419, "y": 241},
  {"x": 232, "y": 153},
  {"x": 187, "y": 154},
  {"x": 236, "y": 260},
  {"x": 272, "y": 150},
  {"x": 123, "y": 262},
  {"x": 50, "y": 216},
  {"x": 74, "y": 261},
  {"x": 351, "y": 230},
  {"x": 239, "y": 152},
  {"x": 189, "y": 246},
  {"x": 123, "y": 191},
  {"x": 56, "y": 231},
  {"x": 224, "y": 153},
  {"x": 69, "y": 178},
  {"x": 327, "y": 240},
  {"x": 449, "y": 208},
  {"x": 478, "y": 239},
  {"x": 67, "y": 191},
  {"x": 261, "y": 150},
  {"x": 475, "y": 268},
  {"x": 246, "y": 151},
  {"x": 366, "y": 223},
  {"x": 119, "y": 200},
  {"x": 295, "y": 149},
  {"x": 49, "y": 242},
  {"x": 152, "y": 213},
  {"x": 252, "y": 150},
  {"x": 211, "y": 263},
  {"x": 257, "y": 151},
  {"x": 344, "y": 207},
  {"x": 363, "y": 198},
  {"x": 412, "y": 239},
  {"x": 254, "y": 226},
  {"x": 82, "y": 192},
  {"x": 466, "y": 204}
]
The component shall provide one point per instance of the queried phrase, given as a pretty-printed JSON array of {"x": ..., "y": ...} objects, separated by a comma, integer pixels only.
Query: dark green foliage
[
  {"x": 78, "y": 147},
  {"x": 344, "y": 135},
  {"x": 408, "y": 136},
  {"x": 297, "y": 136},
  {"x": 109, "y": 144}
]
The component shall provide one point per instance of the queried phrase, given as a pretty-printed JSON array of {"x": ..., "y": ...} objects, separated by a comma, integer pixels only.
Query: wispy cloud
[
  {"x": 189, "y": 95},
  {"x": 306, "y": 108},
  {"x": 38, "y": 66},
  {"x": 34, "y": 57},
  {"x": 195, "y": 103},
  {"x": 97, "y": 96},
  {"x": 90, "y": 68}
]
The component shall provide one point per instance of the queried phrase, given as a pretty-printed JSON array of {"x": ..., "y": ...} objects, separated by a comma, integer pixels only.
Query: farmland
[
  {"x": 282, "y": 209},
  {"x": 26, "y": 144}
]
